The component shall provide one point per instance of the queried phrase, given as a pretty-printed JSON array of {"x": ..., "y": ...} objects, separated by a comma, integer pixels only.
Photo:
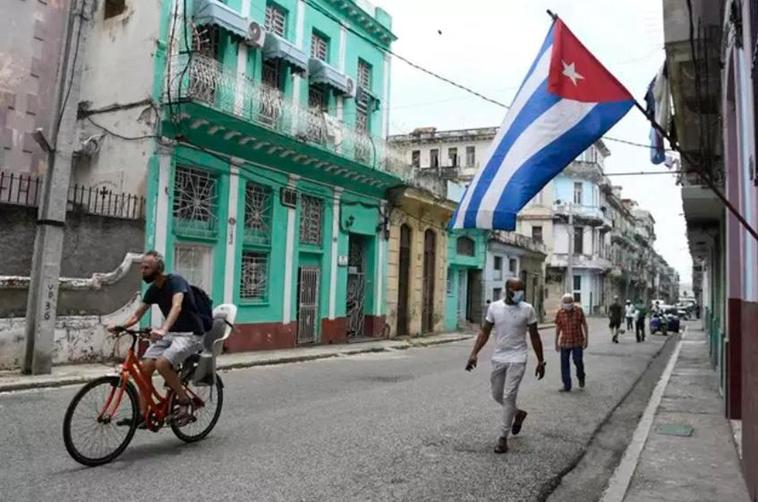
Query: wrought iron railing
[
  {"x": 206, "y": 80},
  {"x": 26, "y": 190}
]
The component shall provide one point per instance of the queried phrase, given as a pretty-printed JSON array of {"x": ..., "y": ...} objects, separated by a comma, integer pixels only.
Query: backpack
[{"x": 203, "y": 307}]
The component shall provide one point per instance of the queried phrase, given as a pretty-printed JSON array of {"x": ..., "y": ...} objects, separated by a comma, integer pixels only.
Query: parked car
[{"x": 670, "y": 316}]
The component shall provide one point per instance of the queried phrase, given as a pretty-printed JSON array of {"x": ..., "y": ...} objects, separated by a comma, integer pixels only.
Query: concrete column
[
  {"x": 386, "y": 97},
  {"x": 289, "y": 257},
  {"x": 379, "y": 268},
  {"x": 335, "y": 253},
  {"x": 300, "y": 44},
  {"x": 342, "y": 49},
  {"x": 162, "y": 216},
  {"x": 230, "y": 262}
]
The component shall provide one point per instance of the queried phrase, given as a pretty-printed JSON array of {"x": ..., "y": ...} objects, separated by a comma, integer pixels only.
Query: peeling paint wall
[{"x": 78, "y": 339}]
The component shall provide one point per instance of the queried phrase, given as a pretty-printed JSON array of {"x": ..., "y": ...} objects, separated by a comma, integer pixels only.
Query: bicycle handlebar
[{"x": 137, "y": 333}]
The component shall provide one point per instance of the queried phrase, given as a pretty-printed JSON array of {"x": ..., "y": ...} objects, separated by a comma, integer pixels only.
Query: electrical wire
[{"x": 121, "y": 136}]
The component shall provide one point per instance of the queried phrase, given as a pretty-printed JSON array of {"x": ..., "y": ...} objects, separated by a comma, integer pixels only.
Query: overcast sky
[{"x": 488, "y": 45}]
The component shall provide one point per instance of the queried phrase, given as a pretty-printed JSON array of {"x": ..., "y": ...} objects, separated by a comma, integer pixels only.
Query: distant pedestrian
[
  {"x": 615, "y": 313},
  {"x": 639, "y": 321},
  {"x": 571, "y": 338},
  {"x": 629, "y": 316},
  {"x": 511, "y": 317}
]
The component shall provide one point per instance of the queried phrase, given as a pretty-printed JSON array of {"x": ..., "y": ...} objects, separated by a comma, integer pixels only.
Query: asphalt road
[{"x": 405, "y": 425}]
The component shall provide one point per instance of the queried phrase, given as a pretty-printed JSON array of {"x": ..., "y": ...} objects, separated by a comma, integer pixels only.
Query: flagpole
[{"x": 696, "y": 167}]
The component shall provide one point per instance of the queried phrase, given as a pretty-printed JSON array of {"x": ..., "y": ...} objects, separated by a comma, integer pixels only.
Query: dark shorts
[{"x": 615, "y": 323}]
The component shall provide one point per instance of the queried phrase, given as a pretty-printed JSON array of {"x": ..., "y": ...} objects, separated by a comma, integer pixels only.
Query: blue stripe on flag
[
  {"x": 536, "y": 172},
  {"x": 538, "y": 103}
]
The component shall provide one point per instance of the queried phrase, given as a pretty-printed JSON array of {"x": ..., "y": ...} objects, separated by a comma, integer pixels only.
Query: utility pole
[{"x": 48, "y": 242}]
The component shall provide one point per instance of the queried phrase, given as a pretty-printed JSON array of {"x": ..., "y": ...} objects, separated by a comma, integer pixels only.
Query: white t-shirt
[
  {"x": 511, "y": 324},
  {"x": 630, "y": 310}
]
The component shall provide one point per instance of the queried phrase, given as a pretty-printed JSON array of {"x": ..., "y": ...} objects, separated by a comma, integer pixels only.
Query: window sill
[
  {"x": 253, "y": 303},
  {"x": 308, "y": 248}
]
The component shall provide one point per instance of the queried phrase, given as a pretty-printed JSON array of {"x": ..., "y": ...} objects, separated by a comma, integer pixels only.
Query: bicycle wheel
[
  {"x": 94, "y": 440},
  {"x": 204, "y": 418}
]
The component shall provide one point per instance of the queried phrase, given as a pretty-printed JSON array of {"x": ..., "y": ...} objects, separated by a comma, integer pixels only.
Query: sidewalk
[
  {"x": 689, "y": 454},
  {"x": 80, "y": 373}
]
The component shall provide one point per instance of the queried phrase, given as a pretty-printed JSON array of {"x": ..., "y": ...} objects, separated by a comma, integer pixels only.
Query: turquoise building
[{"x": 271, "y": 193}]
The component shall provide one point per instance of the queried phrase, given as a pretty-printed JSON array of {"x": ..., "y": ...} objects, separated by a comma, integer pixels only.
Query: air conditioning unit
[
  {"x": 288, "y": 196},
  {"x": 352, "y": 89},
  {"x": 256, "y": 35}
]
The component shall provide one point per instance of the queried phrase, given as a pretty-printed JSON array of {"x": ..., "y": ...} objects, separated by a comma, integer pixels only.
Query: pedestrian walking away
[
  {"x": 571, "y": 338},
  {"x": 629, "y": 308},
  {"x": 511, "y": 317},
  {"x": 639, "y": 321},
  {"x": 615, "y": 313}
]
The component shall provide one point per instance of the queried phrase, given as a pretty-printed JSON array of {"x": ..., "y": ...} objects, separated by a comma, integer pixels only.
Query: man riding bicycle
[{"x": 179, "y": 336}]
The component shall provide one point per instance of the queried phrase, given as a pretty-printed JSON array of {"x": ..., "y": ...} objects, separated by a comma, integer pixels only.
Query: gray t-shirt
[{"x": 511, "y": 324}]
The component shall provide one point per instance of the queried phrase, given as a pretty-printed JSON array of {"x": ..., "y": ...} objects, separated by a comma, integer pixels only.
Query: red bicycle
[{"x": 103, "y": 416}]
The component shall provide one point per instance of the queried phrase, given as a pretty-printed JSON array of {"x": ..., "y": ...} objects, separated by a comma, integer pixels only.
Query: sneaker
[
  {"x": 564, "y": 389},
  {"x": 127, "y": 422},
  {"x": 502, "y": 445},
  {"x": 581, "y": 383},
  {"x": 518, "y": 421}
]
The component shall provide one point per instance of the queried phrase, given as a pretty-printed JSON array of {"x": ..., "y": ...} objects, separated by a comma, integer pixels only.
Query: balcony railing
[
  {"x": 207, "y": 81},
  {"x": 581, "y": 261}
]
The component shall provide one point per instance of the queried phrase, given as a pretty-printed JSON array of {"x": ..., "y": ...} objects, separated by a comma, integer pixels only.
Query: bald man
[{"x": 511, "y": 317}]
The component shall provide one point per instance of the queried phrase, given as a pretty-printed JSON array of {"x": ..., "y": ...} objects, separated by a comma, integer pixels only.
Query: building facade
[
  {"x": 255, "y": 129},
  {"x": 722, "y": 138}
]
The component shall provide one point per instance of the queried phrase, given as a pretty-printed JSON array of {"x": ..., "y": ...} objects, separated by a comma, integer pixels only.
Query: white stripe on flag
[
  {"x": 550, "y": 126},
  {"x": 535, "y": 80}
]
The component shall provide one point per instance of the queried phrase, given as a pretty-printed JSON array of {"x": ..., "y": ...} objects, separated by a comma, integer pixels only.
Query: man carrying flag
[{"x": 566, "y": 102}]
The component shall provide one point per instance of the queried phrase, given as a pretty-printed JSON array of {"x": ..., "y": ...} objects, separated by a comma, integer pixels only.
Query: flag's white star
[{"x": 570, "y": 71}]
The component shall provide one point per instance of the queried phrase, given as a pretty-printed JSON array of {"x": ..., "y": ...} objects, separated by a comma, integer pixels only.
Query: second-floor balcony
[
  {"x": 202, "y": 80},
  {"x": 590, "y": 261},
  {"x": 592, "y": 215}
]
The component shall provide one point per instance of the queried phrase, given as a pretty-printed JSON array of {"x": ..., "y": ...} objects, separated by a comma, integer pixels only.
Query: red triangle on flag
[{"x": 576, "y": 74}]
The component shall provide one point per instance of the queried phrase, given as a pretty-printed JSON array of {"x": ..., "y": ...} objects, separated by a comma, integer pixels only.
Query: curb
[{"x": 399, "y": 345}]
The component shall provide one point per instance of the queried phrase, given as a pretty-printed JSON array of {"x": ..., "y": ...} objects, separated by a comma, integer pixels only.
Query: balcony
[
  {"x": 203, "y": 81},
  {"x": 595, "y": 262},
  {"x": 518, "y": 240},
  {"x": 592, "y": 215}
]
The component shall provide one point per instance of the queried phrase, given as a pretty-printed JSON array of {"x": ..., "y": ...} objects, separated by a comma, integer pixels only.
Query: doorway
[
  {"x": 430, "y": 255},
  {"x": 356, "y": 286},
  {"x": 403, "y": 280}
]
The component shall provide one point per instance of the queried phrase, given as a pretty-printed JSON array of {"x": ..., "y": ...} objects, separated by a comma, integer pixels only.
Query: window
[
  {"x": 317, "y": 98},
  {"x": 450, "y": 282},
  {"x": 498, "y": 268},
  {"x": 497, "y": 294},
  {"x": 577, "y": 285},
  {"x": 537, "y": 233},
  {"x": 578, "y": 192},
  {"x": 452, "y": 155},
  {"x": 193, "y": 262},
  {"x": 434, "y": 157},
  {"x": 311, "y": 217},
  {"x": 257, "y": 214},
  {"x": 114, "y": 8},
  {"x": 195, "y": 201},
  {"x": 319, "y": 47},
  {"x": 276, "y": 20},
  {"x": 470, "y": 156},
  {"x": 513, "y": 265},
  {"x": 416, "y": 158},
  {"x": 465, "y": 246},
  {"x": 272, "y": 74},
  {"x": 364, "y": 74},
  {"x": 254, "y": 276},
  {"x": 578, "y": 240},
  {"x": 362, "y": 122}
]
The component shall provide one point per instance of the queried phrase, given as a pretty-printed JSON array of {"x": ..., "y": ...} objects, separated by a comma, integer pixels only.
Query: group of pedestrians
[{"x": 635, "y": 319}]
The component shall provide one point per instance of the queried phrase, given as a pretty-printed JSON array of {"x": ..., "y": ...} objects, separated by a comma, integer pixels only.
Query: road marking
[{"x": 622, "y": 476}]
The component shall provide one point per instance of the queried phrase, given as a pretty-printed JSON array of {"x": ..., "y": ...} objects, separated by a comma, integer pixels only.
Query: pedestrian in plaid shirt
[{"x": 571, "y": 337}]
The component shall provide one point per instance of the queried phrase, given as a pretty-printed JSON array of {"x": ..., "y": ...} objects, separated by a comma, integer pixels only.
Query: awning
[
  {"x": 216, "y": 13},
  {"x": 365, "y": 94},
  {"x": 276, "y": 47},
  {"x": 321, "y": 73}
]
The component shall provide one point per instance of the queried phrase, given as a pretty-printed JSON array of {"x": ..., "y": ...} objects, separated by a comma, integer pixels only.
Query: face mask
[
  {"x": 518, "y": 296},
  {"x": 567, "y": 306}
]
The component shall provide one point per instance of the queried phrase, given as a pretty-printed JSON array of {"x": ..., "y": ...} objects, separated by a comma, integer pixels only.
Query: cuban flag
[{"x": 567, "y": 101}]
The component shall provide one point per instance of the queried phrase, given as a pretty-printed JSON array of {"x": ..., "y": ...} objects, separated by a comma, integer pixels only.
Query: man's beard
[{"x": 150, "y": 278}]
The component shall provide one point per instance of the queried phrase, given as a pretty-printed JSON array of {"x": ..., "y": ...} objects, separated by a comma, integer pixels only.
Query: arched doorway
[
  {"x": 430, "y": 255},
  {"x": 403, "y": 279}
]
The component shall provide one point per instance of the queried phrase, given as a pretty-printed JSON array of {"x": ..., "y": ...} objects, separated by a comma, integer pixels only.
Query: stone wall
[{"x": 91, "y": 244}]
